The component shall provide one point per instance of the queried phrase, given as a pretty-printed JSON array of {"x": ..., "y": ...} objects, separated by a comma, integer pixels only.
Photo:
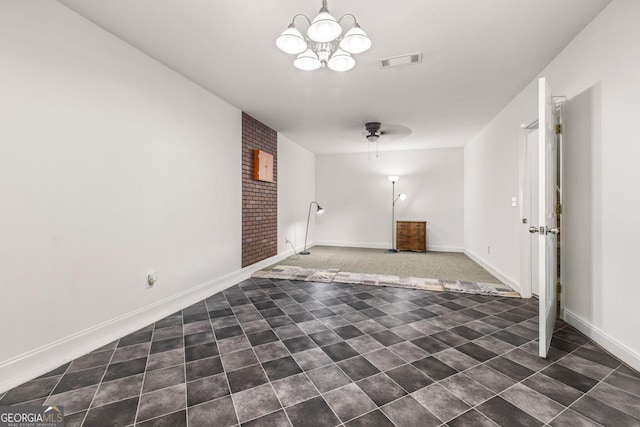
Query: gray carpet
[{"x": 432, "y": 265}]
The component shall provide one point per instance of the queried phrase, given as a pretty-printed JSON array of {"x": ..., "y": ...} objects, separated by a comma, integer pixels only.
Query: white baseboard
[
  {"x": 444, "y": 249},
  {"x": 29, "y": 365},
  {"x": 606, "y": 341},
  {"x": 500, "y": 275},
  {"x": 343, "y": 244},
  {"x": 299, "y": 248},
  {"x": 378, "y": 245}
]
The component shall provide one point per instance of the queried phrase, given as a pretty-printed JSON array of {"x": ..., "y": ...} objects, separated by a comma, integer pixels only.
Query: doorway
[{"x": 529, "y": 208}]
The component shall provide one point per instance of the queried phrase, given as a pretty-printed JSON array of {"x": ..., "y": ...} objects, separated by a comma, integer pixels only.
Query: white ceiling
[{"x": 478, "y": 54}]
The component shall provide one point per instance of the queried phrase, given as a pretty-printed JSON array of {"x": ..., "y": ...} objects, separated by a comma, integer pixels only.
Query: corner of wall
[
  {"x": 512, "y": 283},
  {"x": 606, "y": 341}
]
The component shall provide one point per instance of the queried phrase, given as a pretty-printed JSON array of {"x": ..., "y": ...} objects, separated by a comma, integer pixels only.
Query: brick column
[{"x": 259, "y": 198}]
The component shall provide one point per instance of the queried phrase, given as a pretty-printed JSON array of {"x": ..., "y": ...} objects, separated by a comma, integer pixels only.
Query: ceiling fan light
[
  {"x": 324, "y": 27},
  {"x": 307, "y": 61},
  {"x": 291, "y": 41},
  {"x": 341, "y": 61},
  {"x": 373, "y": 137},
  {"x": 355, "y": 41}
]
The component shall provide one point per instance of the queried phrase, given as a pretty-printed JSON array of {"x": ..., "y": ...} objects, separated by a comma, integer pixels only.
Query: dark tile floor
[{"x": 279, "y": 353}]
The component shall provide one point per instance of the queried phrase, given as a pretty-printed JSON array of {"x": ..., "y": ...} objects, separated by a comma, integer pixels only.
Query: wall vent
[{"x": 398, "y": 61}]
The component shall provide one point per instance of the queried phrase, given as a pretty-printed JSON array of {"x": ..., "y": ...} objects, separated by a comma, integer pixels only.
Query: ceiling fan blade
[
  {"x": 395, "y": 131},
  {"x": 388, "y": 132}
]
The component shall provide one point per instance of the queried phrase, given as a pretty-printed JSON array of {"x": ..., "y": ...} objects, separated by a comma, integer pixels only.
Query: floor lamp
[
  {"x": 319, "y": 210},
  {"x": 394, "y": 199}
]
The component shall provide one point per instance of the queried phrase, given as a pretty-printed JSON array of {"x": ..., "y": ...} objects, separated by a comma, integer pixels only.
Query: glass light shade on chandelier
[
  {"x": 291, "y": 41},
  {"x": 341, "y": 61},
  {"x": 323, "y": 45},
  {"x": 355, "y": 41},
  {"x": 307, "y": 61},
  {"x": 324, "y": 27}
]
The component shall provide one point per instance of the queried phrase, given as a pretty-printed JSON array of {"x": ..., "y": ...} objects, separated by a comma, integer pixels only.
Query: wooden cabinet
[{"x": 411, "y": 236}]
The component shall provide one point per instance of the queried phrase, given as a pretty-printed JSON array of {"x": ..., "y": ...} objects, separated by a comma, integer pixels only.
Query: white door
[{"x": 547, "y": 219}]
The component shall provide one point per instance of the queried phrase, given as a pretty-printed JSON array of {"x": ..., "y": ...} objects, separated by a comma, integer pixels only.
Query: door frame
[
  {"x": 526, "y": 287},
  {"x": 560, "y": 101}
]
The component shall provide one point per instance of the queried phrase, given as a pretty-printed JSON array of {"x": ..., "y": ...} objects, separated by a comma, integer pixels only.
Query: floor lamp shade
[{"x": 319, "y": 210}]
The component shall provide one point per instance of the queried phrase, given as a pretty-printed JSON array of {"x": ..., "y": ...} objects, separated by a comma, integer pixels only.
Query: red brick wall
[{"x": 259, "y": 199}]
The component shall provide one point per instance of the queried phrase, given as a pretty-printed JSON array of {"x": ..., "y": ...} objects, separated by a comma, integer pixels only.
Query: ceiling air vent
[{"x": 397, "y": 61}]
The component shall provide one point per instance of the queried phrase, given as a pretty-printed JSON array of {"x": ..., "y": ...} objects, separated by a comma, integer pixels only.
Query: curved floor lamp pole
[{"x": 319, "y": 210}]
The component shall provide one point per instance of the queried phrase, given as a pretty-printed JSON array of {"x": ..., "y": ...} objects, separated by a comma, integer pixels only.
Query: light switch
[{"x": 514, "y": 201}]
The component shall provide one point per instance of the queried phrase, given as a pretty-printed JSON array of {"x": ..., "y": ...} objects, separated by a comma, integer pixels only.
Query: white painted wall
[
  {"x": 491, "y": 224},
  {"x": 600, "y": 64},
  {"x": 296, "y": 189},
  {"x": 111, "y": 165},
  {"x": 356, "y": 194}
]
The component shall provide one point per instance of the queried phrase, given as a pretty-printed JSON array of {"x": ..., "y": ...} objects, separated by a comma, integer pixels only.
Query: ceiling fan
[{"x": 374, "y": 130}]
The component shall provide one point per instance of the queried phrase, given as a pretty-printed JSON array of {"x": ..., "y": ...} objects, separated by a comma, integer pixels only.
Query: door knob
[
  {"x": 533, "y": 229},
  {"x": 553, "y": 231}
]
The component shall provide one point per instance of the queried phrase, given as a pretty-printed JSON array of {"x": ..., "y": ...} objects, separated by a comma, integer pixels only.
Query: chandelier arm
[
  {"x": 293, "y": 20},
  {"x": 355, "y": 21}
]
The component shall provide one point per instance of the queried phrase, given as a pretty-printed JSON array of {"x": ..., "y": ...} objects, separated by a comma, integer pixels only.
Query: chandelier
[{"x": 324, "y": 44}]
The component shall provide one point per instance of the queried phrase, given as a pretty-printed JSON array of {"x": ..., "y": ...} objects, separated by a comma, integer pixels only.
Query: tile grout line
[
  {"x": 184, "y": 367},
  {"x": 144, "y": 374},
  {"x": 215, "y": 336},
  {"x": 603, "y": 381},
  {"x": 57, "y": 382},
  {"x": 99, "y": 383}
]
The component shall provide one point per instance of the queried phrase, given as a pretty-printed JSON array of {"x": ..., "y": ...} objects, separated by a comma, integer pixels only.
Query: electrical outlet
[
  {"x": 152, "y": 278},
  {"x": 489, "y": 249}
]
